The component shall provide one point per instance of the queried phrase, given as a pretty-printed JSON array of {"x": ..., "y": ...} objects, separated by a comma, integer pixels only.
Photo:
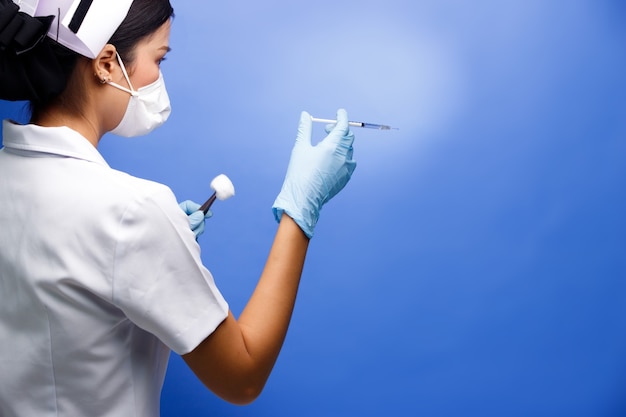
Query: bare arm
[{"x": 236, "y": 359}]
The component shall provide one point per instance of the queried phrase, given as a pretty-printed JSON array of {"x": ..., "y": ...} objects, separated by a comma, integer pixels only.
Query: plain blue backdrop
[{"x": 476, "y": 263}]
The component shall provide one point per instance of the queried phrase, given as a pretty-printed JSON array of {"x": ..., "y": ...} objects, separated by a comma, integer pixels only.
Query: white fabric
[{"x": 99, "y": 275}]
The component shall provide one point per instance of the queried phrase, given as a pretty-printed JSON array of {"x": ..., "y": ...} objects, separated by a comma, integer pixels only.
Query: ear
[{"x": 105, "y": 63}]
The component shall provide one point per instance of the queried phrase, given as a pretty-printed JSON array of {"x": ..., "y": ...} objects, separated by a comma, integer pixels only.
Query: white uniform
[{"x": 100, "y": 276}]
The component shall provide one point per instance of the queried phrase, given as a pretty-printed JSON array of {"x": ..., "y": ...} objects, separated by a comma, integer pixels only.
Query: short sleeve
[{"x": 159, "y": 280}]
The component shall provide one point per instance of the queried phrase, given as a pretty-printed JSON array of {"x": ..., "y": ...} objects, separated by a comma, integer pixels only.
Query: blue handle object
[{"x": 315, "y": 173}]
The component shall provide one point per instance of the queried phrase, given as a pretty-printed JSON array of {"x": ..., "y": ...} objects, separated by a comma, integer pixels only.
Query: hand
[
  {"x": 315, "y": 173},
  {"x": 195, "y": 215}
]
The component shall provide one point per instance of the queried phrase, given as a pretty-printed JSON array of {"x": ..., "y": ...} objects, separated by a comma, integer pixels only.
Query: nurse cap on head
[{"x": 84, "y": 26}]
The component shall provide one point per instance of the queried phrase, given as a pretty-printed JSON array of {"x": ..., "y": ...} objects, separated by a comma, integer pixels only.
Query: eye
[{"x": 161, "y": 60}]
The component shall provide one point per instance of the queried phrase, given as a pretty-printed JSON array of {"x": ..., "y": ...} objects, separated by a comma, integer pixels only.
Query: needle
[{"x": 357, "y": 124}]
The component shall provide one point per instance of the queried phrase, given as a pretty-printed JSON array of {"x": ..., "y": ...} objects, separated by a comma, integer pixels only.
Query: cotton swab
[{"x": 223, "y": 189}]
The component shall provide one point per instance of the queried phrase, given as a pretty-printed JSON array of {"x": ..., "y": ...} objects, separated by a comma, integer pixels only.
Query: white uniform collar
[{"x": 61, "y": 141}]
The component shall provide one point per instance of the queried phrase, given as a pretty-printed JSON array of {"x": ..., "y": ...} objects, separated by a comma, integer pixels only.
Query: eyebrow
[{"x": 167, "y": 48}]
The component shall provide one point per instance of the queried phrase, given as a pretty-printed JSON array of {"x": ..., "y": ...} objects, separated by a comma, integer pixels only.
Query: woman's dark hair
[
  {"x": 143, "y": 19},
  {"x": 41, "y": 75}
]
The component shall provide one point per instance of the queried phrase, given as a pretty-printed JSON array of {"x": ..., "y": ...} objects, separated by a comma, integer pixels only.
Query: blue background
[{"x": 476, "y": 263}]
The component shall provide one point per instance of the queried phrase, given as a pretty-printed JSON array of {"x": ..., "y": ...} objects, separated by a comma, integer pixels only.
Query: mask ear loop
[{"x": 132, "y": 91}]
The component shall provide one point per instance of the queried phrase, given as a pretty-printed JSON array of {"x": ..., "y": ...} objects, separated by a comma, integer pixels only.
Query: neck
[
  {"x": 80, "y": 123},
  {"x": 76, "y": 107}
]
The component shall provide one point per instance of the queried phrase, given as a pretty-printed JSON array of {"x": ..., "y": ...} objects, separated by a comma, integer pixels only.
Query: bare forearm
[
  {"x": 236, "y": 360},
  {"x": 265, "y": 319}
]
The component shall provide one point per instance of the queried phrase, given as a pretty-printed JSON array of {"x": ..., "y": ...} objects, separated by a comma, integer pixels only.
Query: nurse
[{"x": 100, "y": 271}]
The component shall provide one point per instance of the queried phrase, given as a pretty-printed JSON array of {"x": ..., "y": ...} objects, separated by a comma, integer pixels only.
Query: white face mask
[{"x": 148, "y": 107}]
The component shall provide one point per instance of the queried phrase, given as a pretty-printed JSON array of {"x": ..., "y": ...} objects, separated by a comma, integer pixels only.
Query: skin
[
  {"x": 103, "y": 106},
  {"x": 236, "y": 359}
]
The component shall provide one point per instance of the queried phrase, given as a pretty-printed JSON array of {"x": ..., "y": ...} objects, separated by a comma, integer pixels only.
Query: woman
[{"x": 100, "y": 272}]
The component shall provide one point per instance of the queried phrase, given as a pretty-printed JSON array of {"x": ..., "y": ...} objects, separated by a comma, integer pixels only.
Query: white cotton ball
[{"x": 223, "y": 187}]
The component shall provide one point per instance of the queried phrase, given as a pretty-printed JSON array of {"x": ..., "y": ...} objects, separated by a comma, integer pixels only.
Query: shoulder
[
  {"x": 118, "y": 205},
  {"x": 137, "y": 197},
  {"x": 131, "y": 188}
]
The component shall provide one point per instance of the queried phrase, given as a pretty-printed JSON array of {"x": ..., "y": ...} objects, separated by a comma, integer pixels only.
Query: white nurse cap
[{"x": 84, "y": 26}]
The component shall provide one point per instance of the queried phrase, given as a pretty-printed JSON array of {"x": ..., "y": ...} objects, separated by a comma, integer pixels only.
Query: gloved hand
[
  {"x": 315, "y": 173},
  {"x": 195, "y": 215}
]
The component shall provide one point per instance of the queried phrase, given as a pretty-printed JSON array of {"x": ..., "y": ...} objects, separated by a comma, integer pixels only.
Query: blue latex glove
[
  {"x": 195, "y": 215},
  {"x": 315, "y": 173}
]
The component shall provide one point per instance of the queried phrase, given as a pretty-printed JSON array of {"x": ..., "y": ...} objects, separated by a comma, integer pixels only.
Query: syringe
[{"x": 356, "y": 124}]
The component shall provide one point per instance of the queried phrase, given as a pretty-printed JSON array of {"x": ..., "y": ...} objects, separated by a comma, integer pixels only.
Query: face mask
[{"x": 148, "y": 107}]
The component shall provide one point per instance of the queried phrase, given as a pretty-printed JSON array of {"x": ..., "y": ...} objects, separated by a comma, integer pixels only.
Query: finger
[
  {"x": 196, "y": 218},
  {"x": 351, "y": 166},
  {"x": 189, "y": 206},
  {"x": 196, "y": 222},
  {"x": 304, "y": 128},
  {"x": 348, "y": 139},
  {"x": 199, "y": 230},
  {"x": 341, "y": 128},
  {"x": 342, "y": 119},
  {"x": 349, "y": 153},
  {"x": 344, "y": 145}
]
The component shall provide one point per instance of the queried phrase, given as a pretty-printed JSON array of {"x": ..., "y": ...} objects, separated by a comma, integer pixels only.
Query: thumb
[{"x": 304, "y": 129}]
